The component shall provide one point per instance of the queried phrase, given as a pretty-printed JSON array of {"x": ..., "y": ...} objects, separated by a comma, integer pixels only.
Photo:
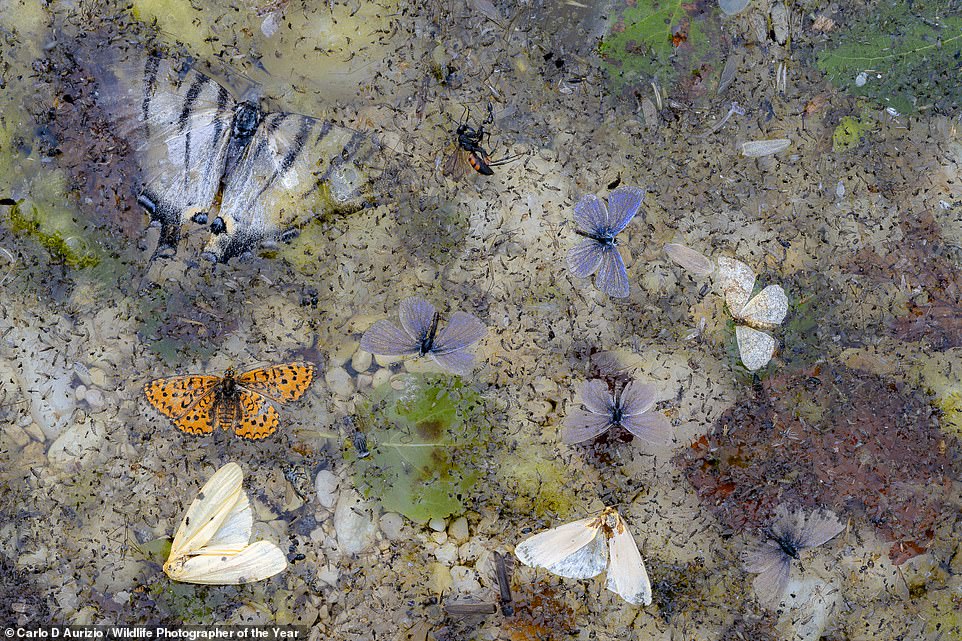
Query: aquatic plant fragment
[
  {"x": 631, "y": 408},
  {"x": 789, "y": 533},
  {"x": 759, "y": 148},
  {"x": 419, "y": 336},
  {"x": 427, "y": 438},
  {"x": 212, "y": 543},
  {"x": 695, "y": 263},
  {"x": 599, "y": 225},
  {"x": 765, "y": 311},
  {"x": 578, "y": 551}
]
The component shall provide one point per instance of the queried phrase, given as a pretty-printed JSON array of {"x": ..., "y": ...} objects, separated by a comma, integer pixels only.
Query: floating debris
[
  {"x": 697, "y": 264},
  {"x": 212, "y": 545},
  {"x": 758, "y": 148},
  {"x": 577, "y": 551}
]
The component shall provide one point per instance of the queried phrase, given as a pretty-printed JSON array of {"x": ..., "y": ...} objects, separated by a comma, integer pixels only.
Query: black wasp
[{"x": 470, "y": 140}]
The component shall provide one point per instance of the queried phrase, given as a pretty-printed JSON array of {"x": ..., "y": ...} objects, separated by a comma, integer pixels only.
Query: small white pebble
[
  {"x": 447, "y": 554},
  {"x": 861, "y": 79},
  {"x": 458, "y": 530},
  {"x": 325, "y": 484},
  {"x": 439, "y": 537},
  {"x": 98, "y": 377},
  {"x": 437, "y": 524},
  {"x": 339, "y": 382},
  {"x": 361, "y": 361},
  {"x": 391, "y": 524},
  {"x": 80, "y": 393},
  {"x": 95, "y": 399}
]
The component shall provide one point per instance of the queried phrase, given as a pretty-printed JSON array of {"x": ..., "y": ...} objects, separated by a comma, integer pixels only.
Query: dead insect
[{"x": 469, "y": 150}]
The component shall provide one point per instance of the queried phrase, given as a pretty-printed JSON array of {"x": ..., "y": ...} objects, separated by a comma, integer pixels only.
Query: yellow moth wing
[
  {"x": 573, "y": 550},
  {"x": 255, "y": 562},
  {"x": 213, "y": 506},
  {"x": 627, "y": 576}
]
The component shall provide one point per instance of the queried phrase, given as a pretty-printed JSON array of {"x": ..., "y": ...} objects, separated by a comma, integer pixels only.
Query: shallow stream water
[{"x": 859, "y": 220}]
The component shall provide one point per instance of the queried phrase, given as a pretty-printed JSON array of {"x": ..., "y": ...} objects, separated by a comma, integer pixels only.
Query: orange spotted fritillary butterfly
[{"x": 200, "y": 403}]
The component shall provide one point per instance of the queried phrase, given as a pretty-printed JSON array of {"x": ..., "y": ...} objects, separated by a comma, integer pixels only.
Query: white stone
[
  {"x": 437, "y": 524},
  {"x": 391, "y": 524},
  {"x": 464, "y": 580},
  {"x": 325, "y": 484},
  {"x": 339, "y": 382},
  {"x": 76, "y": 441},
  {"x": 353, "y": 523},
  {"x": 380, "y": 377},
  {"x": 95, "y": 399},
  {"x": 458, "y": 530},
  {"x": 80, "y": 392},
  {"x": 447, "y": 553},
  {"x": 361, "y": 361},
  {"x": 439, "y": 537},
  {"x": 98, "y": 377}
]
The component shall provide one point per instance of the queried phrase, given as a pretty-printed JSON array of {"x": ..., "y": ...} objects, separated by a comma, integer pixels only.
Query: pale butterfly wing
[
  {"x": 234, "y": 532},
  {"x": 255, "y": 562},
  {"x": 581, "y": 426},
  {"x": 820, "y": 527},
  {"x": 770, "y": 584},
  {"x": 767, "y": 309},
  {"x": 686, "y": 257},
  {"x": 179, "y": 125},
  {"x": 755, "y": 347},
  {"x": 293, "y": 169},
  {"x": 627, "y": 576},
  {"x": 573, "y": 550},
  {"x": 215, "y": 504},
  {"x": 737, "y": 280}
]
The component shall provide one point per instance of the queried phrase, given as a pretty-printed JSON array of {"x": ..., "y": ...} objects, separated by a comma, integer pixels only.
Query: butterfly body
[
  {"x": 199, "y": 404},
  {"x": 427, "y": 341}
]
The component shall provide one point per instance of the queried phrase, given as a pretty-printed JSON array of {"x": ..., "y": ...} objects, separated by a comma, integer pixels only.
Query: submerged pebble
[
  {"x": 325, "y": 484},
  {"x": 353, "y": 523}
]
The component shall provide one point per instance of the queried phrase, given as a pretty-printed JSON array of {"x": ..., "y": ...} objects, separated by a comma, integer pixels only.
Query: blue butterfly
[
  {"x": 599, "y": 225},
  {"x": 419, "y": 335}
]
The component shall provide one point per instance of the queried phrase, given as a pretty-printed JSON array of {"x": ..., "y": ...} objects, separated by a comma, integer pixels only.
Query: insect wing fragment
[
  {"x": 755, "y": 347},
  {"x": 591, "y": 215},
  {"x": 686, "y": 257},
  {"x": 256, "y": 562},
  {"x": 737, "y": 280},
  {"x": 767, "y": 309},
  {"x": 627, "y": 576},
  {"x": 623, "y": 204},
  {"x": 461, "y": 331},
  {"x": 387, "y": 339},
  {"x": 573, "y": 550},
  {"x": 216, "y": 503},
  {"x": 612, "y": 277}
]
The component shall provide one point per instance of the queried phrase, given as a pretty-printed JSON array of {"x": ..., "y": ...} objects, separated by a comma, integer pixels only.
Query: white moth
[
  {"x": 211, "y": 545},
  {"x": 765, "y": 311},
  {"x": 577, "y": 551}
]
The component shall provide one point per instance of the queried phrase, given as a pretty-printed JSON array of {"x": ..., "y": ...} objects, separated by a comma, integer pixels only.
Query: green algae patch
[
  {"x": 848, "y": 134},
  {"x": 538, "y": 486},
  {"x": 428, "y": 441},
  {"x": 941, "y": 376},
  {"x": 177, "y": 19},
  {"x": 901, "y": 55},
  {"x": 61, "y": 238},
  {"x": 659, "y": 40}
]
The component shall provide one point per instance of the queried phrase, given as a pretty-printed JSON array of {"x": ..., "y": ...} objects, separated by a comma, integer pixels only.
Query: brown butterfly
[{"x": 200, "y": 403}]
